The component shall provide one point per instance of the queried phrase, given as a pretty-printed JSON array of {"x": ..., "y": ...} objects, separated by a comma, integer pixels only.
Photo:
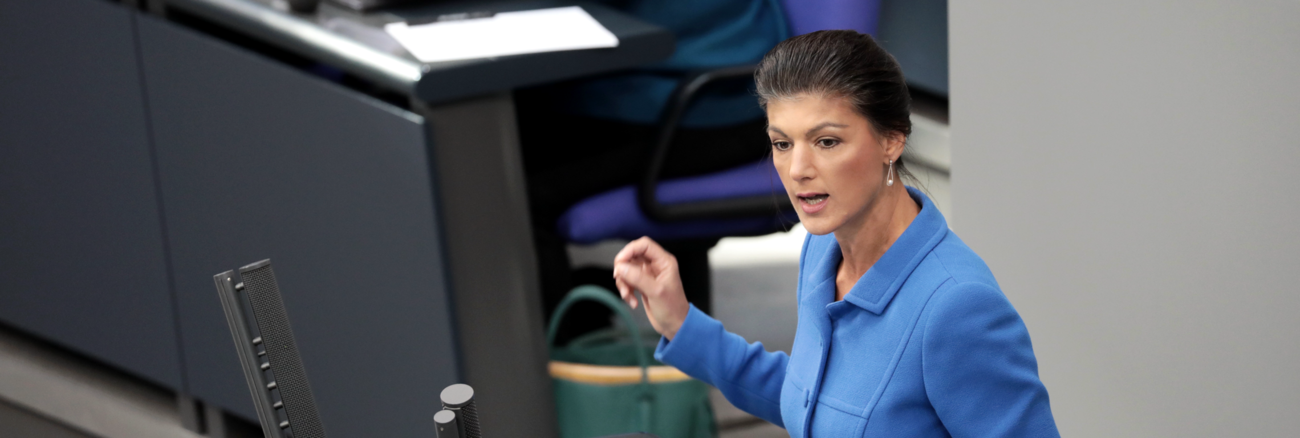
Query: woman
[{"x": 902, "y": 329}]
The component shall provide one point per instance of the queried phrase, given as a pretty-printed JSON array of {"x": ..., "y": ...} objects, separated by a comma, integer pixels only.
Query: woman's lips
[{"x": 812, "y": 202}]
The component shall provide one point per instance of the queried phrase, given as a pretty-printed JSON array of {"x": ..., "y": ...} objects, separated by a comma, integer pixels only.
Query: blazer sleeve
[
  {"x": 979, "y": 367},
  {"x": 749, "y": 376}
]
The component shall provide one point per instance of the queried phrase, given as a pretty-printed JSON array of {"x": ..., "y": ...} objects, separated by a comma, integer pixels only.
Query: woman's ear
[{"x": 894, "y": 143}]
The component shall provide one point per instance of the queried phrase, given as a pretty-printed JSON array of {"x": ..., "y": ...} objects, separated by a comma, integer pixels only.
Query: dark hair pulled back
[{"x": 844, "y": 64}]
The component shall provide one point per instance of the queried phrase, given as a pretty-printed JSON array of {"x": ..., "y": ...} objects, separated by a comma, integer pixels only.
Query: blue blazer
[{"x": 924, "y": 345}]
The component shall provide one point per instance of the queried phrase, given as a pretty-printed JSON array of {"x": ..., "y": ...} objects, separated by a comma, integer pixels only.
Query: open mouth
[{"x": 814, "y": 199}]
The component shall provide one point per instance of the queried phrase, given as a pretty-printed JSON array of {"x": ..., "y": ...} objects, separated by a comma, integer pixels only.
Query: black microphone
[
  {"x": 458, "y": 400},
  {"x": 447, "y": 425}
]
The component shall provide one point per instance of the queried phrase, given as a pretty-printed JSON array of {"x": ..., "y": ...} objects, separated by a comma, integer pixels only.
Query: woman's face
[{"x": 832, "y": 164}]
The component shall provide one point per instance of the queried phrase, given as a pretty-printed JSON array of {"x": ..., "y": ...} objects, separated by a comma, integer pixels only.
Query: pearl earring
[{"x": 890, "y": 182}]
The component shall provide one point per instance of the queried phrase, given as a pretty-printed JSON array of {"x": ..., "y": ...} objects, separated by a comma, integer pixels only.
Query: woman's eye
[
  {"x": 827, "y": 142},
  {"x": 781, "y": 145}
]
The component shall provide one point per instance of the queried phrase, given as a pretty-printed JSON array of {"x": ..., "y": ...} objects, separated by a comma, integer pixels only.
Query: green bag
[{"x": 607, "y": 382}]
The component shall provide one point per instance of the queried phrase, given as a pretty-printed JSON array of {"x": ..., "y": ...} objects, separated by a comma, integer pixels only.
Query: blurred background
[{"x": 1127, "y": 170}]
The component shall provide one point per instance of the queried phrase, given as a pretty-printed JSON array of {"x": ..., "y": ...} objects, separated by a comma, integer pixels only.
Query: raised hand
[{"x": 645, "y": 266}]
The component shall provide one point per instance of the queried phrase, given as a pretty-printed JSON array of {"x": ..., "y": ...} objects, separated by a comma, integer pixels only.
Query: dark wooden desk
[
  {"x": 144, "y": 155},
  {"x": 477, "y": 171}
]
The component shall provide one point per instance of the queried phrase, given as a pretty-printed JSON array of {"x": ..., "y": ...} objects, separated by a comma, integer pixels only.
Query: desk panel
[
  {"x": 81, "y": 248},
  {"x": 258, "y": 160}
]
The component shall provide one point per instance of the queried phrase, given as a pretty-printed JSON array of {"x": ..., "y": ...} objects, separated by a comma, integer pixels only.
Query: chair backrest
[
  {"x": 268, "y": 353},
  {"x": 806, "y": 16}
]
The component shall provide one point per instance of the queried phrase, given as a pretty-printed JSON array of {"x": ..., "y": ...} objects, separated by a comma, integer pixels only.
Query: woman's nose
[{"x": 801, "y": 165}]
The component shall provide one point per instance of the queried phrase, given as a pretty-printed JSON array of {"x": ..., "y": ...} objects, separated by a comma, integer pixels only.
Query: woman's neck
[{"x": 864, "y": 243}]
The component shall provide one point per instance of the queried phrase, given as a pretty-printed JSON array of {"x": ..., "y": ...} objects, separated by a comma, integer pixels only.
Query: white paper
[{"x": 506, "y": 33}]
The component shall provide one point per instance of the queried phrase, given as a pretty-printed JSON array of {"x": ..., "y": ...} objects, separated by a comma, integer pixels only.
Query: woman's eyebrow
[
  {"x": 824, "y": 125},
  {"x": 777, "y": 130}
]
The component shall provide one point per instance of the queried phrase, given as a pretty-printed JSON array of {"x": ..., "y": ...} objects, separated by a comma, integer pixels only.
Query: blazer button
[{"x": 806, "y": 396}]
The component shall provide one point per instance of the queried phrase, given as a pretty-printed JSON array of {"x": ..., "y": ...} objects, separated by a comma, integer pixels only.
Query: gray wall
[{"x": 1129, "y": 171}]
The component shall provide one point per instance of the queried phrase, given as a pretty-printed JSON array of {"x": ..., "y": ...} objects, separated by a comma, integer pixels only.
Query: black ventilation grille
[
  {"x": 470, "y": 412},
  {"x": 277, "y": 337}
]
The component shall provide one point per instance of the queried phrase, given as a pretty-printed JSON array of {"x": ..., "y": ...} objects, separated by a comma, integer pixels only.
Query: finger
[
  {"x": 632, "y": 250},
  {"x": 621, "y": 287},
  {"x": 635, "y": 276},
  {"x": 659, "y": 259},
  {"x": 625, "y": 292},
  {"x": 629, "y": 295},
  {"x": 627, "y": 271},
  {"x": 644, "y": 247}
]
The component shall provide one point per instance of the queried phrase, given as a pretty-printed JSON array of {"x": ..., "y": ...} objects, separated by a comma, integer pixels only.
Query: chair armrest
[{"x": 673, "y": 113}]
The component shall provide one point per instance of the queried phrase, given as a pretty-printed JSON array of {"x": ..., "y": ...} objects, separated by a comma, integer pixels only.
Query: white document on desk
[{"x": 506, "y": 33}]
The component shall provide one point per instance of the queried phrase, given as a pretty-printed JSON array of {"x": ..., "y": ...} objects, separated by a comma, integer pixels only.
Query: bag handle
[{"x": 603, "y": 296}]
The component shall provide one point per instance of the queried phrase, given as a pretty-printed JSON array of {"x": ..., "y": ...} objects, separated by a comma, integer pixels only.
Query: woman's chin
[{"x": 816, "y": 226}]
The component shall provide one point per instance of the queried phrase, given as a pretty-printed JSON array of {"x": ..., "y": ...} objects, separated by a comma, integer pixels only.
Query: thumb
[{"x": 635, "y": 275}]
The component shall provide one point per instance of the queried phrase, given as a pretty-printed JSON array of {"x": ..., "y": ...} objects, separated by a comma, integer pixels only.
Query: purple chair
[
  {"x": 616, "y": 214},
  {"x": 744, "y": 201},
  {"x": 806, "y": 16}
]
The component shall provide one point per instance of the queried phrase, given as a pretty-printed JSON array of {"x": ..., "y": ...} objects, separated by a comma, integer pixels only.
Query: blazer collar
[{"x": 877, "y": 287}]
